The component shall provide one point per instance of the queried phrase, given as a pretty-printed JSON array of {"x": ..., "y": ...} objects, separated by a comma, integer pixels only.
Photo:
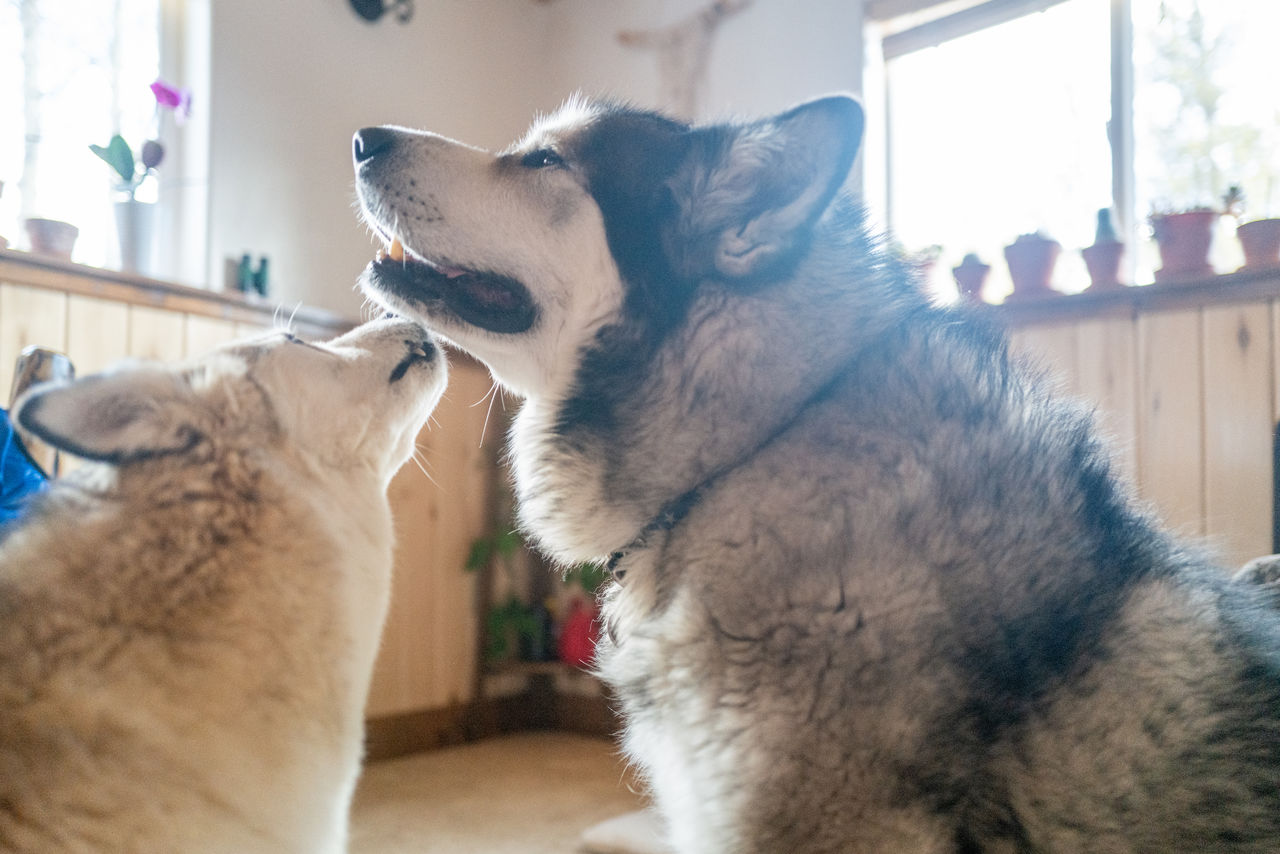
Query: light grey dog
[
  {"x": 188, "y": 626},
  {"x": 877, "y": 590}
]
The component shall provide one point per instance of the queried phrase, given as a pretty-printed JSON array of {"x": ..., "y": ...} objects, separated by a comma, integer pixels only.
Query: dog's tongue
[{"x": 396, "y": 253}]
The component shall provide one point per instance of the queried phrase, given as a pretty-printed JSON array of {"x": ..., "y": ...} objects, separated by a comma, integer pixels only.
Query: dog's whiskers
[
  {"x": 420, "y": 460},
  {"x": 492, "y": 395}
]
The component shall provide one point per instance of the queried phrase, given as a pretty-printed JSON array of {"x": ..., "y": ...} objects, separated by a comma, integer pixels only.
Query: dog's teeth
[
  {"x": 396, "y": 251},
  {"x": 380, "y": 255}
]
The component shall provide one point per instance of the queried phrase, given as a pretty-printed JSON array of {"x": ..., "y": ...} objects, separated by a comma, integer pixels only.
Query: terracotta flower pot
[
  {"x": 1260, "y": 240},
  {"x": 1184, "y": 240},
  {"x": 970, "y": 276},
  {"x": 1031, "y": 259},
  {"x": 51, "y": 237},
  {"x": 1103, "y": 263}
]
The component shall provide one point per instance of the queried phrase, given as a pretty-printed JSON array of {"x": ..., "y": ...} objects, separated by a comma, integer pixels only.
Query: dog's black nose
[{"x": 369, "y": 142}]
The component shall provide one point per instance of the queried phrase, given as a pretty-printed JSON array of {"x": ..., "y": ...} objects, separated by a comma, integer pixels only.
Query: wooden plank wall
[
  {"x": 428, "y": 655},
  {"x": 1189, "y": 394},
  {"x": 428, "y": 652},
  {"x": 95, "y": 332}
]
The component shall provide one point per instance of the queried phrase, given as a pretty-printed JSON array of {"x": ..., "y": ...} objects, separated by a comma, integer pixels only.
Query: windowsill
[
  {"x": 1129, "y": 300},
  {"x": 42, "y": 271}
]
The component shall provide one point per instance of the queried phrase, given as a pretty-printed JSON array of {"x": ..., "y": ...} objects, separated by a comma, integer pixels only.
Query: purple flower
[
  {"x": 174, "y": 98},
  {"x": 166, "y": 95}
]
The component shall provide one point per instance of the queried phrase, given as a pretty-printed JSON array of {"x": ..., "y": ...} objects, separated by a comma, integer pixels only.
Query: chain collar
[{"x": 672, "y": 513}]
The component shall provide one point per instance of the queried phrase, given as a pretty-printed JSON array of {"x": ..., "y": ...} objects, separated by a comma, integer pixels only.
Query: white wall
[
  {"x": 766, "y": 57},
  {"x": 291, "y": 81}
]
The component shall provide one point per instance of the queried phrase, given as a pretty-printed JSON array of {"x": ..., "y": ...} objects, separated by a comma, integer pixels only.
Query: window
[
  {"x": 1206, "y": 113},
  {"x": 75, "y": 73},
  {"x": 1011, "y": 116}
]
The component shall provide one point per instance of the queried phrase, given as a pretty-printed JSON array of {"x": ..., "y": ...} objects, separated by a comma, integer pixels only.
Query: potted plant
[
  {"x": 1183, "y": 238},
  {"x": 135, "y": 218},
  {"x": 971, "y": 275},
  {"x": 1031, "y": 258},
  {"x": 1260, "y": 240},
  {"x": 515, "y": 629},
  {"x": 1103, "y": 258},
  {"x": 51, "y": 237}
]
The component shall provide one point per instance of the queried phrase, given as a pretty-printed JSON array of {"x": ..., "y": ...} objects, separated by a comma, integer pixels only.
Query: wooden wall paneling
[
  {"x": 1237, "y": 427},
  {"x": 97, "y": 330},
  {"x": 1052, "y": 347},
  {"x": 28, "y": 316},
  {"x": 428, "y": 652},
  {"x": 406, "y": 667},
  {"x": 1106, "y": 368},
  {"x": 205, "y": 333},
  {"x": 460, "y": 457},
  {"x": 1275, "y": 362},
  {"x": 1171, "y": 450},
  {"x": 156, "y": 333}
]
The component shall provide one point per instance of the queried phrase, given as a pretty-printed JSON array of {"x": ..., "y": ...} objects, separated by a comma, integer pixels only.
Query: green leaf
[
  {"x": 118, "y": 155},
  {"x": 480, "y": 555},
  {"x": 590, "y": 576},
  {"x": 508, "y": 543}
]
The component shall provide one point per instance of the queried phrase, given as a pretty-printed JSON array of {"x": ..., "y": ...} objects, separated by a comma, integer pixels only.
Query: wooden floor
[{"x": 531, "y": 793}]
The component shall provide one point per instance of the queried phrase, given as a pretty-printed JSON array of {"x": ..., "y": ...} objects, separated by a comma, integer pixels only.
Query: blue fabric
[{"x": 20, "y": 477}]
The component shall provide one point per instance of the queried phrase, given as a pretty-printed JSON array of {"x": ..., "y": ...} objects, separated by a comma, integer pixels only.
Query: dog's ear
[
  {"x": 114, "y": 417},
  {"x": 769, "y": 183}
]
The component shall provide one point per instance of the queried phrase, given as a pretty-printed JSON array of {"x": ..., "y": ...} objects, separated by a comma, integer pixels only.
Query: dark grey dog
[{"x": 878, "y": 591}]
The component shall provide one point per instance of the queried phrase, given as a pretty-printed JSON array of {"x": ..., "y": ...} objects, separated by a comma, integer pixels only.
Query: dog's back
[{"x": 187, "y": 633}]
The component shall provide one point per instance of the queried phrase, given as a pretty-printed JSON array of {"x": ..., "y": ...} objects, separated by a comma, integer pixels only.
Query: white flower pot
[{"x": 135, "y": 227}]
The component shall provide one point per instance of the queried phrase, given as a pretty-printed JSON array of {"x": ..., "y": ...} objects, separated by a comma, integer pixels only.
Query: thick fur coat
[
  {"x": 187, "y": 630},
  {"x": 878, "y": 587}
]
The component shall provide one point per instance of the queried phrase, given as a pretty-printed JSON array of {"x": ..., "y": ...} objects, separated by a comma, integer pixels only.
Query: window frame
[{"x": 976, "y": 17}]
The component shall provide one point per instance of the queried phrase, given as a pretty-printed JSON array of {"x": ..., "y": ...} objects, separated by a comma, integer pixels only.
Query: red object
[{"x": 578, "y": 635}]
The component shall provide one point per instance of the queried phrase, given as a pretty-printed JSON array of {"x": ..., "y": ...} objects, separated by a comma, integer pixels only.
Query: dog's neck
[{"x": 699, "y": 408}]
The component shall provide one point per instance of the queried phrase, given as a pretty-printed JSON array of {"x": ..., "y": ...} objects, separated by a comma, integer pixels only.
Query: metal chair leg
[{"x": 39, "y": 365}]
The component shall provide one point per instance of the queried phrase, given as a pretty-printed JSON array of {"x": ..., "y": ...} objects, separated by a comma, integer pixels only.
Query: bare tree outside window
[{"x": 1206, "y": 111}]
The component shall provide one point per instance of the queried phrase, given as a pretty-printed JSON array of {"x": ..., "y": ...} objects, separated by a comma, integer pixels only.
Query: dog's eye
[{"x": 541, "y": 158}]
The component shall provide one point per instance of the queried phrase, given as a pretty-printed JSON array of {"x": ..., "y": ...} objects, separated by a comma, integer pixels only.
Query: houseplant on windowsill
[
  {"x": 971, "y": 276},
  {"x": 1031, "y": 258},
  {"x": 1103, "y": 258},
  {"x": 1260, "y": 239},
  {"x": 1184, "y": 237},
  {"x": 135, "y": 219}
]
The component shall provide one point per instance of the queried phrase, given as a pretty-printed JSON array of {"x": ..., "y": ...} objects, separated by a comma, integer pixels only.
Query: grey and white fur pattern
[
  {"x": 188, "y": 627},
  {"x": 880, "y": 589}
]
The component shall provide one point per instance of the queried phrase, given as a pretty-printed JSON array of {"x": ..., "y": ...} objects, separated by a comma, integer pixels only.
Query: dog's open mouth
[{"x": 489, "y": 300}]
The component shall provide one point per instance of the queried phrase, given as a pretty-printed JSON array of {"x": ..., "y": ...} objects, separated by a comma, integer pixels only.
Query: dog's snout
[{"x": 370, "y": 142}]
